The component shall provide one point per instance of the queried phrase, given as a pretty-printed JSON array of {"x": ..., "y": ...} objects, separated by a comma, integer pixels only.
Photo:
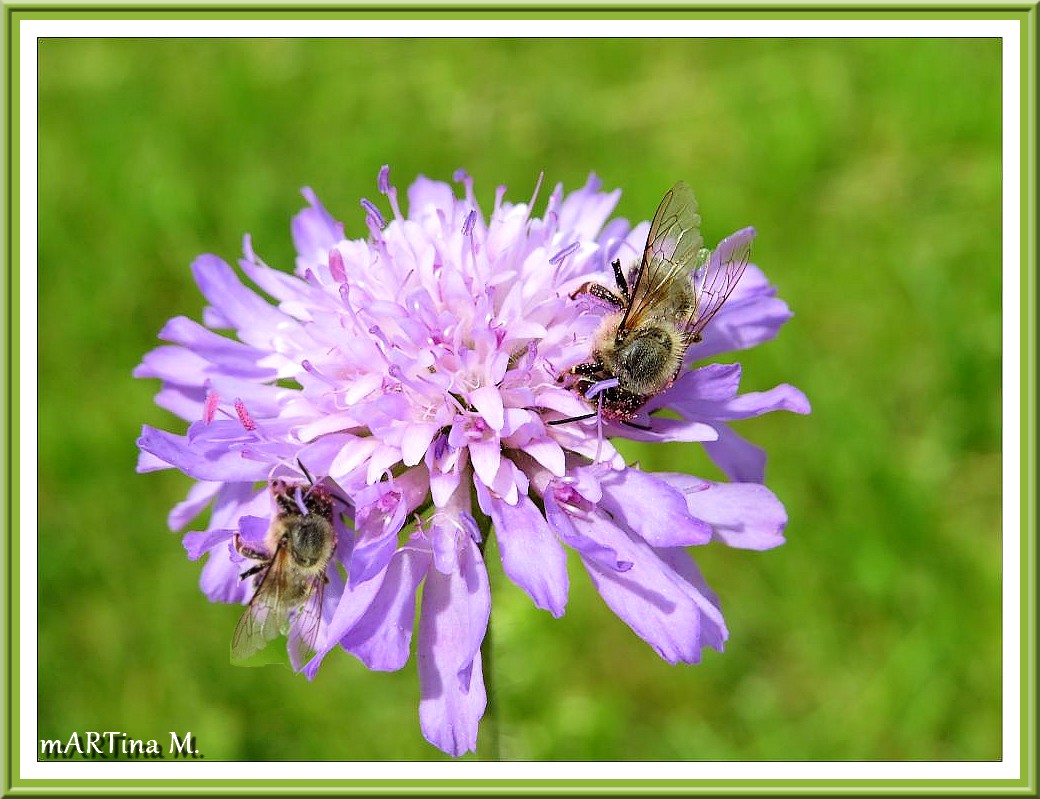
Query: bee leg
[
  {"x": 601, "y": 293},
  {"x": 287, "y": 504},
  {"x": 247, "y": 551},
  {"x": 619, "y": 278},
  {"x": 587, "y": 373},
  {"x": 250, "y": 572},
  {"x": 582, "y": 376}
]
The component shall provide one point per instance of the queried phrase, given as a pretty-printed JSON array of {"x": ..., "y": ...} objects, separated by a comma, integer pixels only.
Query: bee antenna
[
  {"x": 581, "y": 418},
  {"x": 305, "y": 472}
]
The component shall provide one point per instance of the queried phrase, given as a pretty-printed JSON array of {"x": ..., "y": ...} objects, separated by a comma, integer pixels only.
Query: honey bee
[
  {"x": 677, "y": 288},
  {"x": 289, "y": 576}
]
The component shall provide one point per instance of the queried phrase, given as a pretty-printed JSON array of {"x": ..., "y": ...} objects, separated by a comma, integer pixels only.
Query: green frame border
[{"x": 1025, "y": 13}]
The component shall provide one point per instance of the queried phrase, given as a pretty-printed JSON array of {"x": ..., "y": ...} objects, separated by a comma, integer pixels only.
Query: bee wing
[
  {"x": 715, "y": 280},
  {"x": 303, "y": 632},
  {"x": 265, "y": 617},
  {"x": 671, "y": 252}
]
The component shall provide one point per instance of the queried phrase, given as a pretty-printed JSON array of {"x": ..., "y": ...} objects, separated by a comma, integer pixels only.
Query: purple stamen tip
[
  {"x": 459, "y": 175},
  {"x": 373, "y": 213},
  {"x": 602, "y": 385},
  {"x": 384, "y": 179},
  {"x": 467, "y": 226},
  {"x": 570, "y": 248}
]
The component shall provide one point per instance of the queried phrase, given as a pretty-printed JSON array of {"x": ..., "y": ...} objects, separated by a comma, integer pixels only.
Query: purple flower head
[{"x": 418, "y": 379}]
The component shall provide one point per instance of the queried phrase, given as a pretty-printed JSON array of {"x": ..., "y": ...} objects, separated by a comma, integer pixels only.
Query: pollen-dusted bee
[
  {"x": 290, "y": 574},
  {"x": 677, "y": 288}
]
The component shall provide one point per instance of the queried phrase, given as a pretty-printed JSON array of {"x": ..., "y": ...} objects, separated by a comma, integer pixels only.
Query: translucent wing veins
[{"x": 670, "y": 254}]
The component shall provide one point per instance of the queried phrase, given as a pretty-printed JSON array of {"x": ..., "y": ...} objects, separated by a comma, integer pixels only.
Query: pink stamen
[
  {"x": 336, "y": 268},
  {"x": 243, "y": 416},
  {"x": 209, "y": 410}
]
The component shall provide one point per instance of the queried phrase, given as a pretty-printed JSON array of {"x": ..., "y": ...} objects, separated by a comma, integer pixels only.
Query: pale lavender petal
[
  {"x": 742, "y": 515},
  {"x": 183, "y": 401},
  {"x": 427, "y": 196},
  {"x": 317, "y": 456},
  {"x": 211, "y": 463},
  {"x": 175, "y": 364},
  {"x": 233, "y": 357},
  {"x": 567, "y": 526},
  {"x": 416, "y": 441},
  {"x": 742, "y": 406},
  {"x": 751, "y": 316},
  {"x": 584, "y": 211},
  {"x": 781, "y": 398},
  {"x": 478, "y": 598},
  {"x": 741, "y": 460},
  {"x": 452, "y": 623},
  {"x": 443, "y": 485},
  {"x": 732, "y": 248},
  {"x": 243, "y": 308},
  {"x": 352, "y": 454},
  {"x": 147, "y": 462},
  {"x": 662, "y": 430},
  {"x": 197, "y": 544},
  {"x": 314, "y": 231},
  {"x": 382, "y": 636},
  {"x": 252, "y": 530},
  {"x": 443, "y": 538},
  {"x": 199, "y": 496},
  {"x": 486, "y": 457},
  {"x": 548, "y": 453},
  {"x": 653, "y": 509},
  {"x": 353, "y": 604},
  {"x": 372, "y": 555},
  {"x": 220, "y": 580},
  {"x": 235, "y": 500},
  {"x": 531, "y": 556},
  {"x": 713, "y": 626},
  {"x": 716, "y": 382},
  {"x": 650, "y": 598},
  {"x": 297, "y": 296},
  {"x": 488, "y": 402}
]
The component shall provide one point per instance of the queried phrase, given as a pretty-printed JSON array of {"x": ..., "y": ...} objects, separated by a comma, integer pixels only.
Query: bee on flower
[{"x": 458, "y": 375}]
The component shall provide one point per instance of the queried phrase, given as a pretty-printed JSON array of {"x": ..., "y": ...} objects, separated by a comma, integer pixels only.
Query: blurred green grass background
[{"x": 871, "y": 169}]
